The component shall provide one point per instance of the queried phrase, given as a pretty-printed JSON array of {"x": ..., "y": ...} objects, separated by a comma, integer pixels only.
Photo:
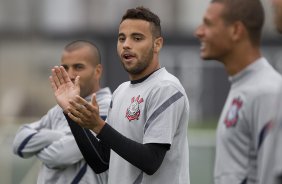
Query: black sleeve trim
[
  {"x": 146, "y": 157},
  {"x": 95, "y": 153}
]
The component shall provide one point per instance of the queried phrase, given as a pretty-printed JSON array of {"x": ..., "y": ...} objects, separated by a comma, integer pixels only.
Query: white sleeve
[
  {"x": 164, "y": 109},
  {"x": 61, "y": 153},
  {"x": 32, "y": 138},
  {"x": 266, "y": 108},
  {"x": 262, "y": 117}
]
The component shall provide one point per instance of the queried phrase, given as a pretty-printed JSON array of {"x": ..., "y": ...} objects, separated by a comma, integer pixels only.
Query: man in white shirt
[
  {"x": 50, "y": 138},
  {"x": 231, "y": 33},
  {"x": 146, "y": 128}
]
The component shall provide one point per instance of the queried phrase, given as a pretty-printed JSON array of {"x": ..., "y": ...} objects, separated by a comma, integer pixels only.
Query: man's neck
[{"x": 240, "y": 60}]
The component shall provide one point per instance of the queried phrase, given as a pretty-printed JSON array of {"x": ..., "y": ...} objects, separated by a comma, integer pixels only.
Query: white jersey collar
[{"x": 257, "y": 65}]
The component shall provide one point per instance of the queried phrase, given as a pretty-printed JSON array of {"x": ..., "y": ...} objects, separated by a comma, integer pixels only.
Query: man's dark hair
[
  {"x": 249, "y": 12},
  {"x": 142, "y": 13},
  {"x": 78, "y": 44}
]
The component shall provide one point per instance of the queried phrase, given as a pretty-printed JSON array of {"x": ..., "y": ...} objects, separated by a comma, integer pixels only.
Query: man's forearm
[
  {"x": 95, "y": 153},
  {"x": 29, "y": 141},
  {"x": 146, "y": 157},
  {"x": 61, "y": 153}
]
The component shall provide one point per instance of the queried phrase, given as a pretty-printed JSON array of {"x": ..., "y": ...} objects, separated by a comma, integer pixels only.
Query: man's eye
[
  {"x": 66, "y": 68},
  {"x": 121, "y": 39},
  {"x": 79, "y": 67},
  {"x": 137, "y": 38}
]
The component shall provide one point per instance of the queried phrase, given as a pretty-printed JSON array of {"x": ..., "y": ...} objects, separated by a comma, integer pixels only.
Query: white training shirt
[
  {"x": 153, "y": 111},
  {"x": 247, "y": 113},
  {"x": 51, "y": 141}
]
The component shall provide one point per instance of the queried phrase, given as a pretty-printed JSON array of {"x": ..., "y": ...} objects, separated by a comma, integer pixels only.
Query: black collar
[{"x": 143, "y": 79}]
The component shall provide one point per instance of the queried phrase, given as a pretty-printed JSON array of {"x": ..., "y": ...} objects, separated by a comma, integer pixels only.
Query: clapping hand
[
  {"x": 86, "y": 114},
  {"x": 64, "y": 89}
]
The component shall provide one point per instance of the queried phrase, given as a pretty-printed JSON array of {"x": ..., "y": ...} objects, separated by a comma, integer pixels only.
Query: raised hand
[
  {"x": 63, "y": 88},
  {"x": 85, "y": 114}
]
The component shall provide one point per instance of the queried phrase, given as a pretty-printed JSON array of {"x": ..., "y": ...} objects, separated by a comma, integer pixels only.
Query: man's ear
[
  {"x": 158, "y": 44},
  {"x": 98, "y": 71},
  {"x": 238, "y": 31}
]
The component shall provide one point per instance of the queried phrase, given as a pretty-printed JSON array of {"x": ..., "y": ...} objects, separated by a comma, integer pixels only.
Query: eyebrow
[
  {"x": 121, "y": 34},
  {"x": 137, "y": 34},
  {"x": 74, "y": 64},
  {"x": 132, "y": 34}
]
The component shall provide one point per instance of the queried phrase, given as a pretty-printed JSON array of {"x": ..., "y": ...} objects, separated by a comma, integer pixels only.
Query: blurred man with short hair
[
  {"x": 231, "y": 33},
  {"x": 50, "y": 138}
]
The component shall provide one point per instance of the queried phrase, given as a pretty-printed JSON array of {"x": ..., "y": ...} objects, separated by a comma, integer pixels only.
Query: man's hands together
[{"x": 78, "y": 109}]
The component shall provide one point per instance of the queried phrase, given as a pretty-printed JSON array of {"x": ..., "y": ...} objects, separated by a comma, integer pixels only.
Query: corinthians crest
[
  {"x": 133, "y": 111},
  {"x": 233, "y": 111}
]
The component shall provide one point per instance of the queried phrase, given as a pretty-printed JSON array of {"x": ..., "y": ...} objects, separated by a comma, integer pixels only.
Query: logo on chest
[
  {"x": 233, "y": 112},
  {"x": 133, "y": 111}
]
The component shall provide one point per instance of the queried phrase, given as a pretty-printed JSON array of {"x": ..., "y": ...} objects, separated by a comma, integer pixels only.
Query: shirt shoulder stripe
[
  {"x": 162, "y": 108},
  {"x": 23, "y": 144}
]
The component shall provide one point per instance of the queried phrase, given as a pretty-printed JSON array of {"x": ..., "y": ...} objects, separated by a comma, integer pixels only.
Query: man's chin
[{"x": 207, "y": 57}]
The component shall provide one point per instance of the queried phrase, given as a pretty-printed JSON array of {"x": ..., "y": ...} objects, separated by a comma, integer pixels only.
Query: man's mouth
[
  {"x": 203, "y": 46},
  {"x": 128, "y": 56}
]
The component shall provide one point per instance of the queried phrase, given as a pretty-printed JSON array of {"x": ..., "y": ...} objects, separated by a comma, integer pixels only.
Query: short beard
[{"x": 139, "y": 68}]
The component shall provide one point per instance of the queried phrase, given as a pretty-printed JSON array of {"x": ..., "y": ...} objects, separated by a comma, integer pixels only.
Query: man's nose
[
  {"x": 127, "y": 44},
  {"x": 72, "y": 74},
  {"x": 198, "y": 32}
]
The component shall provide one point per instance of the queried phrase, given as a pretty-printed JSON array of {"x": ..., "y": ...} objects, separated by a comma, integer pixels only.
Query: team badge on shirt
[
  {"x": 233, "y": 111},
  {"x": 133, "y": 111}
]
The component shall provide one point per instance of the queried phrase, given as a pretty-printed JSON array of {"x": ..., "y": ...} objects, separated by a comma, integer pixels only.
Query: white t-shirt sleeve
[
  {"x": 33, "y": 137},
  {"x": 61, "y": 153},
  {"x": 164, "y": 109}
]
